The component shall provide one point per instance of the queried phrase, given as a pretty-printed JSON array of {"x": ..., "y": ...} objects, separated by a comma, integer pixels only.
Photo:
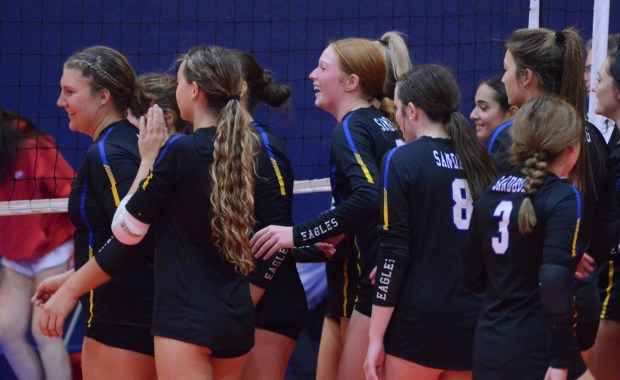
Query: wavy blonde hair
[{"x": 217, "y": 72}]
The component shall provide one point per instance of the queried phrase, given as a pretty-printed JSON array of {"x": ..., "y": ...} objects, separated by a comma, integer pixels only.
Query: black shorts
[
  {"x": 132, "y": 338},
  {"x": 609, "y": 289},
  {"x": 588, "y": 307},
  {"x": 283, "y": 308},
  {"x": 342, "y": 280},
  {"x": 365, "y": 294}
]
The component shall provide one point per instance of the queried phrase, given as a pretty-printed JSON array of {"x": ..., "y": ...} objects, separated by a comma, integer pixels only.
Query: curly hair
[{"x": 218, "y": 73}]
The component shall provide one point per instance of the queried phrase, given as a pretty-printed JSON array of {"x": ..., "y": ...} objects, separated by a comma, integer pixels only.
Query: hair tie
[
  {"x": 233, "y": 97},
  {"x": 380, "y": 97},
  {"x": 452, "y": 110},
  {"x": 559, "y": 37}
]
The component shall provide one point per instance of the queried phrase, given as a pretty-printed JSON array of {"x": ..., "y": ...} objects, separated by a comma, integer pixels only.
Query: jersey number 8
[{"x": 463, "y": 204}]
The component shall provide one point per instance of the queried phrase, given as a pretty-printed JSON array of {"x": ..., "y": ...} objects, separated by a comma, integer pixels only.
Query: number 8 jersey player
[
  {"x": 422, "y": 316},
  {"x": 523, "y": 251}
]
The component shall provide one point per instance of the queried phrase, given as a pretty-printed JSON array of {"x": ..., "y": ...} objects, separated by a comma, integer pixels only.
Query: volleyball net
[{"x": 287, "y": 37}]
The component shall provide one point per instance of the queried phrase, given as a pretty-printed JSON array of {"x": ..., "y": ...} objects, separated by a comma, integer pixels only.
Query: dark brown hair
[{"x": 433, "y": 89}]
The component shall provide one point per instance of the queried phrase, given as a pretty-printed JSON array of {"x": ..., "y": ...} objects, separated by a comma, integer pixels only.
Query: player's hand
[
  {"x": 375, "y": 356},
  {"x": 48, "y": 287},
  {"x": 328, "y": 249},
  {"x": 373, "y": 275},
  {"x": 55, "y": 311},
  {"x": 335, "y": 240},
  {"x": 585, "y": 267},
  {"x": 556, "y": 373},
  {"x": 153, "y": 134},
  {"x": 270, "y": 240}
]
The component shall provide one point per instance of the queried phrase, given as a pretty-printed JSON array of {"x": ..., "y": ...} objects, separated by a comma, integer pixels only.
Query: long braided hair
[{"x": 543, "y": 128}]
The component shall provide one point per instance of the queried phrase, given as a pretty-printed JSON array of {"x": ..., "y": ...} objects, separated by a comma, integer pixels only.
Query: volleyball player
[
  {"x": 201, "y": 191},
  {"x": 492, "y": 110},
  {"x": 158, "y": 88},
  {"x": 33, "y": 247},
  {"x": 538, "y": 62},
  {"x": 524, "y": 248},
  {"x": 397, "y": 58},
  {"x": 421, "y": 313},
  {"x": 349, "y": 77},
  {"x": 603, "y": 358},
  {"x": 97, "y": 87},
  {"x": 277, "y": 291}
]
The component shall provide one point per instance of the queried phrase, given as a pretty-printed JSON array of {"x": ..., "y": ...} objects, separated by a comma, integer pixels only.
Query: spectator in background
[{"x": 34, "y": 247}]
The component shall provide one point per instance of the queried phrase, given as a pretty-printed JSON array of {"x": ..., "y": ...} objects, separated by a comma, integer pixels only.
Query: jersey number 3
[
  {"x": 500, "y": 242},
  {"x": 463, "y": 204}
]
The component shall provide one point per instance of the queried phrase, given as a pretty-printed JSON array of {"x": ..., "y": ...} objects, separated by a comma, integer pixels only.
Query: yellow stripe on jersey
[
  {"x": 345, "y": 269},
  {"x": 574, "y": 247},
  {"x": 276, "y": 168},
  {"x": 108, "y": 171},
  {"x": 359, "y": 255},
  {"x": 386, "y": 221},
  {"x": 359, "y": 160},
  {"x": 610, "y": 279},
  {"x": 91, "y": 294},
  {"x": 146, "y": 180}
]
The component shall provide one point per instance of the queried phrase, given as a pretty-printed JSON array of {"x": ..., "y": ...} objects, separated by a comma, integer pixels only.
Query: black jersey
[
  {"x": 608, "y": 271},
  {"x": 199, "y": 298},
  {"x": 105, "y": 176},
  {"x": 358, "y": 145},
  {"x": 601, "y": 217},
  {"x": 528, "y": 279},
  {"x": 283, "y": 307},
  {"x": 426, "y": 213},
  {"x": 499, "y": 147}
]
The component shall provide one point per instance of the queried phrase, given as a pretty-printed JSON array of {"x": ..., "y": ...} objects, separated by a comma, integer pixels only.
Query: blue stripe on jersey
[
  {"x": 574, "y": 247},
  {"x": 84, "y": 217},
  {"x": 166, "y": 147},
  {"x": 90, "y": 248},
  {"x": 496, "y": 133},
  {"x": 358, "y": 158},
  {"x": 276, "y": 168},
  {"x": 385, "y": 192},
  {"x": 106, "y": 167}
]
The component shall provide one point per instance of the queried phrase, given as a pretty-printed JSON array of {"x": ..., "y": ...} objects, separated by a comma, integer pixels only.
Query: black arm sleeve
[
  {"x": 273, "y": 192},
  {"x": 474, "y": 270},
  {"x": 309, "y": 254},
  {"x": 115, "y": 257},
  {"x": 394, "y": 251},
  {"x": 556, "y": 279},
  {"x": 155, "y": 189},
  {"x": 353, "y": 153}
]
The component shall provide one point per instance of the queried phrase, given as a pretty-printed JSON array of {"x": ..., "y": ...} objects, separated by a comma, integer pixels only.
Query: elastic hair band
[
  {"x": 380, "y": 97},
  {"x": 233, "y": 97},
  {"x": 559, "y": 37}
]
